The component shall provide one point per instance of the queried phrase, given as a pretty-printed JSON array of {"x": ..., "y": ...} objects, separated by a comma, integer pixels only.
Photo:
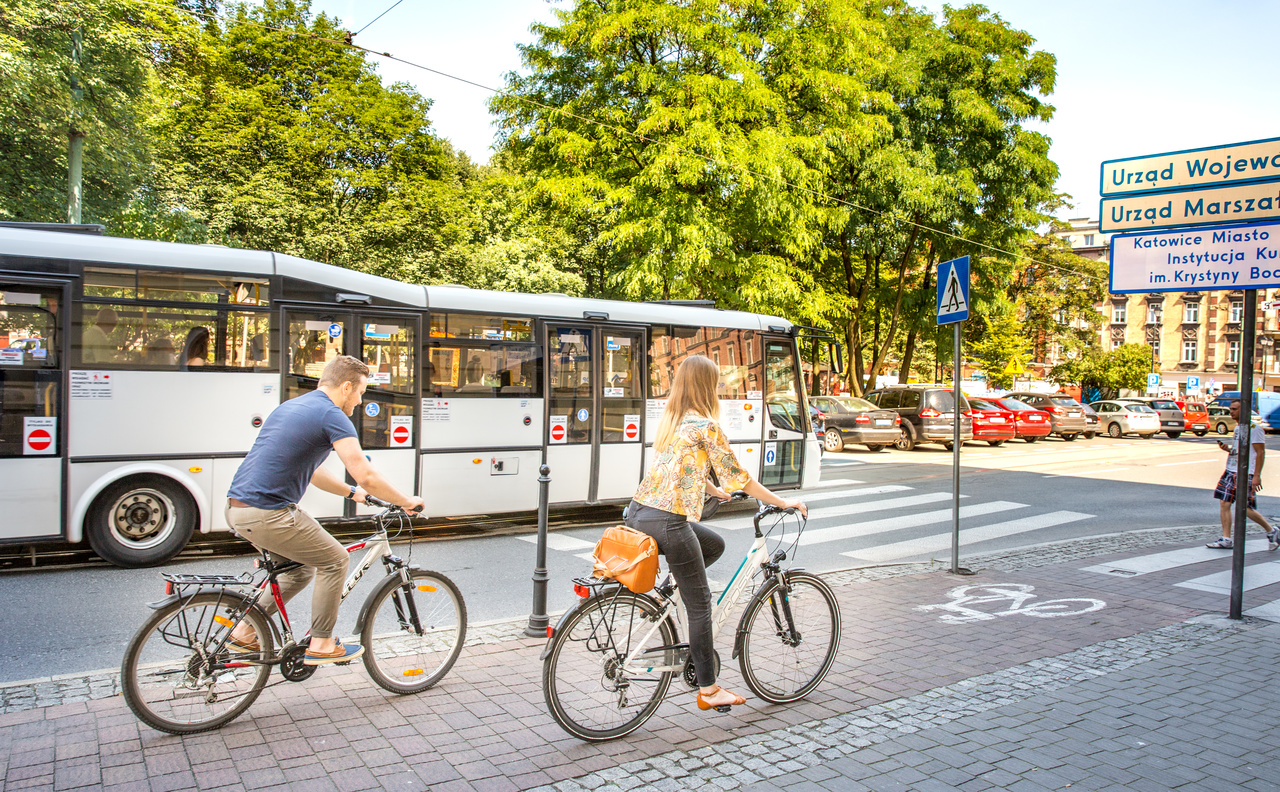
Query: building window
[
  {"x": 1115, "y": 343},
  {"x": 1088, "y": 240},
  {"x": 1155, "y": 311},
  {"x": 1118, "y": 313},
  {"x": 1155, "y": 349},
  {"x": 1191, "y": 312},
  {"x": 1189, "y": 351},
  {"x": 1237, "y": 312},
  {"x": 1233, "y": 351}
]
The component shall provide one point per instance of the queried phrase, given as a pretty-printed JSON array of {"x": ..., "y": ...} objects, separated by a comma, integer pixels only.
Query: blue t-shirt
[{"x": 295, "y": 439}]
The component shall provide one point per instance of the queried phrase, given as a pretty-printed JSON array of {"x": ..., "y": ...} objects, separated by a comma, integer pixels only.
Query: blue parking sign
[
  {"x": 1193, "y": 384},
  {"x": 1153, "y": 381}
]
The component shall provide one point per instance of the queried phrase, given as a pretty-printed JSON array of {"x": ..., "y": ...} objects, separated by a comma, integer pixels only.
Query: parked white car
[{"x": 1121, "y": 418}]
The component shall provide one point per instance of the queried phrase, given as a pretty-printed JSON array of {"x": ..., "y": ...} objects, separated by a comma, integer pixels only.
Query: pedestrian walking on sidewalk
[
  {"x": 690, "y": 443},
  {"x": 1225, "y": 492}
]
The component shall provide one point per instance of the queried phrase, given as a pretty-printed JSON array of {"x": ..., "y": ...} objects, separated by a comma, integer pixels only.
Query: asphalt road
[{"x": 871, "y": 508}]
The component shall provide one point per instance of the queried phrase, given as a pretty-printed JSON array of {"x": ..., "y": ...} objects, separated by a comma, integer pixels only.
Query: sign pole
[
  {"x": 953, "y": 309},
  {"x": 955, "y": 459},
  {"x": 1244, "y": 475}
]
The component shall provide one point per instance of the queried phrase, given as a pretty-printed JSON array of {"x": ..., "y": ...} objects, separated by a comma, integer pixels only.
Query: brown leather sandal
[{"x": 703, "y": 704}]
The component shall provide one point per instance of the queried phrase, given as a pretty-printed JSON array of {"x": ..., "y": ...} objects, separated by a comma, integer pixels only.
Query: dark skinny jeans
[{"x": 690, "y": 548}]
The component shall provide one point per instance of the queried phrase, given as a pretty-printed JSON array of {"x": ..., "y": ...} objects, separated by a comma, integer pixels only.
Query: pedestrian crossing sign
[{"x": 953, "y": 290}]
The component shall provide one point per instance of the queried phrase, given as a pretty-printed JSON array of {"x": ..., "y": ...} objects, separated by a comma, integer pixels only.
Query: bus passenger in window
[
  {"x": 160, "y": 352},
  {"x": 475, "y": 371},
  {"x": 195, "y": 351},
  {"x": 96, "y": 345}
]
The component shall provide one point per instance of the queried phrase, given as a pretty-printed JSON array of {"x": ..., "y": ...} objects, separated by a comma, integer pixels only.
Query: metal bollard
[{"x": 538, "y": 618}]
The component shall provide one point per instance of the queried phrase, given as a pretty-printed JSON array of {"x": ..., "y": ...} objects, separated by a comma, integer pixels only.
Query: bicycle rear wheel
[
  {"x": 177, "y": 680},
  {"x": 413, "y": 633},
  {"x": 790, "y": 635},
  {"x": 589, "y": 692}
]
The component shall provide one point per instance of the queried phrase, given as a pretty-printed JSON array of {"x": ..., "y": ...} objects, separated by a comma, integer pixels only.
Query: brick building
[{"x": 1190, "y": 333}]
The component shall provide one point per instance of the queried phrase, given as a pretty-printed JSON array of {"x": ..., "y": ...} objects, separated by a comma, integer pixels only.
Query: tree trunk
[
  {"x": 883, "y": 349},
  {"x": 904, "y": 369}
]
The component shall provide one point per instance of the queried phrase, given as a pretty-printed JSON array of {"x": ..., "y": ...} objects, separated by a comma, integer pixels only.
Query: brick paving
[{"x": 1145, "y": 693}]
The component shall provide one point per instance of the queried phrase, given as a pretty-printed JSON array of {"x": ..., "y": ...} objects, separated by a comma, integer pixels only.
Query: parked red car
[
  {"x": 991, "y": 422},
  {"x": 1196, "y": 415},
  {"x": 1029, "y": 423}
]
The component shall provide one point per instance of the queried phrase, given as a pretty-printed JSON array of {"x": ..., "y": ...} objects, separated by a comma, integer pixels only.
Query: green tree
[
  {"x": 1105, "y": 374},
  {"x": 1001, "y": 342},
  {"x": 38, "y": 108}
]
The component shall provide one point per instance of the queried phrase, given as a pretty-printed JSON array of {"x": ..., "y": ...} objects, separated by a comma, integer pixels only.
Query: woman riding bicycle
[{"x": 690, "y": 443}]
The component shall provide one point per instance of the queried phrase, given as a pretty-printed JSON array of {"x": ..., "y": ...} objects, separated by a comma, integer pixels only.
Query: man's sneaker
[
  {"x": 1223, "y": 543},
  {"x": 1273, "y": 539},
  {"x": 342, "y": 653}
]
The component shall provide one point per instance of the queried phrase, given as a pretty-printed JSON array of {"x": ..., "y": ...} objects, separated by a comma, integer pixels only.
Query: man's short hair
[
  {"x": 1235, "y": 401},
  {"x": 343, "y": 368}
]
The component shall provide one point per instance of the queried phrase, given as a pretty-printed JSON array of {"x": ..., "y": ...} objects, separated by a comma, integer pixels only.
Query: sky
[{"x": 1134, "y": 76}]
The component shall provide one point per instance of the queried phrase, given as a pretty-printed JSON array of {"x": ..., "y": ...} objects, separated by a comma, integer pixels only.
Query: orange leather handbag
[{"x": 627, "y": 556}]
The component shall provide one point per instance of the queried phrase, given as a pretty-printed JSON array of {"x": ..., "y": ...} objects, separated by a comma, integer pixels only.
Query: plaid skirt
[{"x": 1226, "y": 490}]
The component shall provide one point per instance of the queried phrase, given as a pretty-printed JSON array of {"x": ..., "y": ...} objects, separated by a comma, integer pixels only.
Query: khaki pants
[{"x": 290, "y": 534}]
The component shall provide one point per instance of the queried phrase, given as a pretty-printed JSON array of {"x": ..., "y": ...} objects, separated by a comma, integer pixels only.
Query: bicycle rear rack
[{"x": 242, "y": 579}]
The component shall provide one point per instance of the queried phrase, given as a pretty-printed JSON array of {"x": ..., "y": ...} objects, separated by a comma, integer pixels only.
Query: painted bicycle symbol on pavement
[{"x": 984, "y": 603}]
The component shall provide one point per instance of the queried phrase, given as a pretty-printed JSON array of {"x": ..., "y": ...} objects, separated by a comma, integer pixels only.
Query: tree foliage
[
  {"x": 809, "y": 158},
  {"x": 1103, "y": 375}
]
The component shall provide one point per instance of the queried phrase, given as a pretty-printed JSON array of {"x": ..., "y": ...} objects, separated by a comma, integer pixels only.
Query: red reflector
[
  {"x": 168, "y": 587},
  {"x": 862, "y": 419},
  {"x": 929, "y": 412},
  {"x": 550, "y": 630},
  {"x": 581, "y": 591}
]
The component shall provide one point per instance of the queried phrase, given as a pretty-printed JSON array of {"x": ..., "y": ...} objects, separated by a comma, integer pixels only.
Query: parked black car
[
  {"x": 849, "y": 419},
  {"x": 927, "y": 412}
]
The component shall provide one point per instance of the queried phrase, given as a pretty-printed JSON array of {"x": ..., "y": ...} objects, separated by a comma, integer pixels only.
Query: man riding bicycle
[{"x": 262, "y": 503}]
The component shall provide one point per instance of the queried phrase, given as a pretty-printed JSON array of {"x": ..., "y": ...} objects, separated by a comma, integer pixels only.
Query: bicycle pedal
[
  {"x": 343, "y": 663},
  {"x": 723, "y": 707}
]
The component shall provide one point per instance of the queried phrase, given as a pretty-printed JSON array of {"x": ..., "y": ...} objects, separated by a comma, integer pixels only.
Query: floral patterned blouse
[{"x": 675, "y": 483}]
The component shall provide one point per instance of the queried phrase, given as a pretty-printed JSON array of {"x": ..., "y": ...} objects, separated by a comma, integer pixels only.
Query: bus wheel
[{"x": 141, "y": 521}]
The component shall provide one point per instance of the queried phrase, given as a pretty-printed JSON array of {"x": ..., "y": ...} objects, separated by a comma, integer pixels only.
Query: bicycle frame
[
  {"x": 376, "y": 546},
  {"x": 755, "y": 558}
]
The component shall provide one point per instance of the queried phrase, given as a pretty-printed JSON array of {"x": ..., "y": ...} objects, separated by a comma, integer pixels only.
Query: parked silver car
[
  {"x": 1065, "y": 416},
  {"x": 1172, "y": 421},
  {"x": 1121, "y": 418}
]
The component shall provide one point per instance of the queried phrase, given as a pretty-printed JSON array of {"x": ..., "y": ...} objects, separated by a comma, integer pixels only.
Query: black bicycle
[{"x": 181, "y": 674}]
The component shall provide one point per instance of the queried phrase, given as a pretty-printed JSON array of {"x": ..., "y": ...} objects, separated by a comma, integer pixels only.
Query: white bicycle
[{"x": 609, "y": 662}]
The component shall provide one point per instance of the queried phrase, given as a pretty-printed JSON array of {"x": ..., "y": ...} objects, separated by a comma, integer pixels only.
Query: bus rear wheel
[{"x": 141, "y": 521}]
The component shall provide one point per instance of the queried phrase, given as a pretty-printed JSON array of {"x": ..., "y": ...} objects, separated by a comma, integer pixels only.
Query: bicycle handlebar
[
  {"x": 379, "y": 503},
  {"x": 765, "y": 508}
]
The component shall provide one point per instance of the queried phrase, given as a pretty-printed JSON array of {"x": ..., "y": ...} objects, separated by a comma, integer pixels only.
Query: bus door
[
  {"x": 787, "y": 429},
  {"x": 32, "y": 434},
  {"x": 595, "y": 411},
  {"x": 386, "y": 421}
]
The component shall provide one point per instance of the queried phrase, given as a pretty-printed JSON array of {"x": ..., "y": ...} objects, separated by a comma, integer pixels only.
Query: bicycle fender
[
  {"x": 546, "y": 650},
  {"x": 740, "y": 634},
  {"x": 163, "y": 603}
]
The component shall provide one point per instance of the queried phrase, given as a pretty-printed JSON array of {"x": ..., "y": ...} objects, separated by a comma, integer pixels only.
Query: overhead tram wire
[
  {"x": 348, "y": 42},
  {"x": 375, "y": 19}
]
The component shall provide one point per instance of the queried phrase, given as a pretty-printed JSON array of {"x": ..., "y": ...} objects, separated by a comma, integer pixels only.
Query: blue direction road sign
[{"x": 953, "y": 290}]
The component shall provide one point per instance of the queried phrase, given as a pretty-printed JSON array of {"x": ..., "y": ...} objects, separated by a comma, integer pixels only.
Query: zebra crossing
[
  {"x": 1256, "y": 575},
  {"x": 875, "y": 524}
]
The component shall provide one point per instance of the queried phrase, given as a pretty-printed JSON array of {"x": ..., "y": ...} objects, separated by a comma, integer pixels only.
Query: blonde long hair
[{"x": 694, "y": 389}]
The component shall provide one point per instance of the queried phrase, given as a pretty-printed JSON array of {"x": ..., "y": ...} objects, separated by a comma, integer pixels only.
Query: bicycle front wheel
[
  {"x": 791, "y": 633},
  {"x": 590, "y": 688},
  {"x": 175, "y": 677},
  {"x": 413, "y": 632}
]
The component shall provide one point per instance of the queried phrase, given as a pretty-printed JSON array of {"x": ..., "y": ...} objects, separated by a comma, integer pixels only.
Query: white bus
[{"x": 134, "y": 376}]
